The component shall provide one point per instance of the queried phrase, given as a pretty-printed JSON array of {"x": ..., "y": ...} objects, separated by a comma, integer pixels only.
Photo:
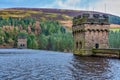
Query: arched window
[
  {"x": 96, "y": 45},
  {"x": 80, "y": 45},
  {"x": 76, "y": 45},
  {"x": 23, "y": 45},
  {"x": 20, "y": 45}
]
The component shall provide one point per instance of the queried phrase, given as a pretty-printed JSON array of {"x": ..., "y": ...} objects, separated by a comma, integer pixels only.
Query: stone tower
[
  {"x": 22, "y": 42},
  {"x": 90, "y": 30}
]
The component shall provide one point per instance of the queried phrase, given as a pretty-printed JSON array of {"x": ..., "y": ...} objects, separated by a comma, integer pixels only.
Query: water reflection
[
  {"x": 90, "y": 68},
  {"x": 47, "y": 65}
]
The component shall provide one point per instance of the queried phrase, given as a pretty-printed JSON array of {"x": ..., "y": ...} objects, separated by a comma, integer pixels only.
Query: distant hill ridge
[
  {"x": 50, "y": 14},
  {"x": 59, "y": 11}
]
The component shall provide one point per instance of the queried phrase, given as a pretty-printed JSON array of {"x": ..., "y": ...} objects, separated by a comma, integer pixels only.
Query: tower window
[
  {"x": 20, "y": 45},
  {"x": 86, "y": 15},
  {"x": 80, "y": 45},
  {"x": 23, "y": 45},
  {"x": 96, "y": 45},
  {"x": 91, "y": 23},
  {"x": 76, "y": 45},
  {"x": 105, "y": 16},
  {"x": 96, "y": 15}
]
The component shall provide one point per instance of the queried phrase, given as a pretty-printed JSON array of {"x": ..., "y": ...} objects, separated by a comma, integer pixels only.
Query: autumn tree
[
  {"x": 37, "y": 27},
  {"x": 20, "y": 27},
  {"x": 29, "y": 29},
  {"x": 2, "y": 34}
]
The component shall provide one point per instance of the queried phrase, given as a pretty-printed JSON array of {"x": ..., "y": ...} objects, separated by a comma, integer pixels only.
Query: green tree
[
  {"x": 2, "y": 34},
  {"x": 31, "y": 41}
]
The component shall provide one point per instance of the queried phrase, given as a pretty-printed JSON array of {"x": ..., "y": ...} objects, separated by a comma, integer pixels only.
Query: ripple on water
[{"x": 48, "y": 65}]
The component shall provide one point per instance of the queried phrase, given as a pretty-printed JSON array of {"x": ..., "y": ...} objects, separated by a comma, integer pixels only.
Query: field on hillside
[
  {"x": 49, "y": 14},
  {"x": 115, "y": 29},
  {"x": 39, "y": 15}
]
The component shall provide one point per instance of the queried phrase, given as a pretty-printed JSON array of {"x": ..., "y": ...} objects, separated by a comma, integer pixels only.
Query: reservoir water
[{"x": 27, "y": 64}]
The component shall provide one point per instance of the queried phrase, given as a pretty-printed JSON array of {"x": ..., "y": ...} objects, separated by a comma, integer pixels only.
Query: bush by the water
[{"x": 114, "y": 39}]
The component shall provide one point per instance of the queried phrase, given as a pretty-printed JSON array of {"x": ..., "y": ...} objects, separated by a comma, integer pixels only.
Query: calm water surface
[{"x": 26, "y": 64}]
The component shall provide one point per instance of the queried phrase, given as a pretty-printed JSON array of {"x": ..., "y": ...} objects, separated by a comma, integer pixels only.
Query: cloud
[
  {"x": 67, "y": 4},
  {"x": 108, "y": 6},
  {"x": 112, "y": 7},
  {"x": 74, "y": 4}
]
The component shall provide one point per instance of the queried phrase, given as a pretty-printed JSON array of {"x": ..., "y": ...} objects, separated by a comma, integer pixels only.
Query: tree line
[
  {"x": 47, "y": 35},
  {"x": 114, "y": 39}
]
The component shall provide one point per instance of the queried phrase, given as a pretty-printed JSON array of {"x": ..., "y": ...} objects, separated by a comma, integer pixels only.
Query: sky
[{"x": 108, "y": 6}]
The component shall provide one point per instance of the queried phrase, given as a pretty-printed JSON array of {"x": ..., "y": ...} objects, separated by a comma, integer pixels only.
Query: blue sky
[
  {"x": 96, "y": 5},
  {"x": 43, "y": 3}
]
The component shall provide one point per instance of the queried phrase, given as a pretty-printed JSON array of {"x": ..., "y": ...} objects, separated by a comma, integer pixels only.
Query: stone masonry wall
[{"x": 96, "y": 34}]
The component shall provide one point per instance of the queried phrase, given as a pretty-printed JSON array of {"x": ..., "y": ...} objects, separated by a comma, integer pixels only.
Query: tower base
[{"x": 83, "y": 52}]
